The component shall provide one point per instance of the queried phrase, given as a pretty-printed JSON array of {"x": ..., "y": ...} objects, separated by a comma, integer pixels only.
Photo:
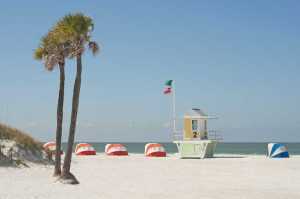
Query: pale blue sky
[{"x": 238, "y": 60}]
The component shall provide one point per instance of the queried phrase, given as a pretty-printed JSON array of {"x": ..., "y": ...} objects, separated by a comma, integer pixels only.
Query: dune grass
[{"x": 21, "y": 138}]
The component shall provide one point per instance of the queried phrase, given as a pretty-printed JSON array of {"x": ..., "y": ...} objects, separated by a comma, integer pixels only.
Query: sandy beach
[{"x": 139, "y": 177}]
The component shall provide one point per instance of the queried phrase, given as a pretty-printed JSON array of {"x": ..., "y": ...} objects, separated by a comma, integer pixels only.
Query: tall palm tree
[
  {"x": 53, "y": 51},
  {"x": 79, "y": 28}
]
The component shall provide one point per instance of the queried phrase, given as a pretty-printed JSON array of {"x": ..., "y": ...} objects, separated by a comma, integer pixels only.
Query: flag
[
  {"x": 168, "y": 87},
  {"x": 168, "y": 90},
  {"x": 169, "y": 83}
]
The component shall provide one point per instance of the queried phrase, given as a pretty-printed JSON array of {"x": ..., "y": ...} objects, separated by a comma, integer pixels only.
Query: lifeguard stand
[{"x": 196, "y": 141}]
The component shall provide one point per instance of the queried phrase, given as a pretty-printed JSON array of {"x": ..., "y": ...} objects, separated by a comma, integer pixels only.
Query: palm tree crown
[
  {"x": 77, "y": 29},
  {"x": 54, "y": 48}
]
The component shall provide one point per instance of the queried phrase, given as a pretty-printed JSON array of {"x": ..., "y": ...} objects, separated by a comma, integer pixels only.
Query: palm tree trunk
[
  {"x": 75, "y": 103},
  {"x": 60, "y": 106}
]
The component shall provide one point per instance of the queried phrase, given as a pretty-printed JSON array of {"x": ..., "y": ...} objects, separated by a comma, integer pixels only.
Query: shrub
[{"x": 21, "y": 138}]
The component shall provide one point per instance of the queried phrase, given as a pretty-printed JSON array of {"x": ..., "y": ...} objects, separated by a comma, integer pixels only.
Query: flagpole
[{"x": 174, "y": 109}]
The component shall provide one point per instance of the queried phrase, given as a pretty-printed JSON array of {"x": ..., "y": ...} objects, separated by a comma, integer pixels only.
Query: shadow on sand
[{"x": 228, "y": 157}]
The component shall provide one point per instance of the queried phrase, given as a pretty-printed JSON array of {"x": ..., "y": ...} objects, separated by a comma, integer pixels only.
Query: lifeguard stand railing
[{"x": 211, "y": 135}]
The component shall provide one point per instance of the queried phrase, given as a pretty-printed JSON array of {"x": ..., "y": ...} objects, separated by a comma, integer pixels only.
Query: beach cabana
[
  {"x": 84, "y": 149},
  {"x": 116, "y": 149},
  {"x": 277, "y": 150},
  {"x": 154, "y": 150},
  {"x": 49, "y": 146}
]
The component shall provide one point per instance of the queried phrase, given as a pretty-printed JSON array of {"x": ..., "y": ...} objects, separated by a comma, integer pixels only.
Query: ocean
[{"x": 222, "y": 148}]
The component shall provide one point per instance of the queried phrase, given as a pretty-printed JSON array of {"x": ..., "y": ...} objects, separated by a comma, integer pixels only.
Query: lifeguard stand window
[{"x": 194, "y": 125}]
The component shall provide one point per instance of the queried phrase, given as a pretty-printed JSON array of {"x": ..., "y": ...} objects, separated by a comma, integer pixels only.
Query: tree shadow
[{"x": 4, "y": 163}]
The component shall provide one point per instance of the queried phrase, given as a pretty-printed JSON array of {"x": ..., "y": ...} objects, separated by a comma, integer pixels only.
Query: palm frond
[
  {"x": 50, "y": 62},
  {"x": 39, "y": 53},
  {"x": 94, "y": 47}
]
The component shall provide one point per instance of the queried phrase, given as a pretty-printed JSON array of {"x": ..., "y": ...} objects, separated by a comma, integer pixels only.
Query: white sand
[{"x": 137, "y": 177}]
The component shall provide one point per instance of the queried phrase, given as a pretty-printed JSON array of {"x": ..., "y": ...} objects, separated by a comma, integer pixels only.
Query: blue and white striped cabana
[{"x": 276, "y": 150}]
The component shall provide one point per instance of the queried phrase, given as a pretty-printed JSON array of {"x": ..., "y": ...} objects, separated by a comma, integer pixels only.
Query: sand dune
[{"x": 139, "y": 177}]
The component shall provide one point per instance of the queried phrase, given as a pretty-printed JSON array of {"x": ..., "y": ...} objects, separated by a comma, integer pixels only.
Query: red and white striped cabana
[
  {"x": 84, "y": 149},
  {"x": 154, "y": 150},
  {"x": 49, "y": 146},
  {"x": 116, "y": 149}
]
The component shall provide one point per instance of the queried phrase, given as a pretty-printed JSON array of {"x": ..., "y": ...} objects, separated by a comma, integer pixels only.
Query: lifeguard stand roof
[{"x": 197, "y": 113}]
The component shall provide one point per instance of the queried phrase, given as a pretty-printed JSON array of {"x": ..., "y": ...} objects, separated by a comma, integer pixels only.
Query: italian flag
[{"x": 168, "y": 87}]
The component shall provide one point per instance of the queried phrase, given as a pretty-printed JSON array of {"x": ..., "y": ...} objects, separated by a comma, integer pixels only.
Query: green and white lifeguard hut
[{"x": 196, "y": 141}]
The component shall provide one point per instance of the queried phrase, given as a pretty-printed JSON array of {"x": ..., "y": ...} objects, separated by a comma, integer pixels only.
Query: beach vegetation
[{"x": 21, "y": 138}]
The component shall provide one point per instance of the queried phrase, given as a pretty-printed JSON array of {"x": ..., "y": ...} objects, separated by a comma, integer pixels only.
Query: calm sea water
[{"x": 222, "y": 148}]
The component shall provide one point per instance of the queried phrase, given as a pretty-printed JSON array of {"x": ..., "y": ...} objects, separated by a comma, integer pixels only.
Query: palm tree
[
  {"x": 79, "y": 28},
  {"x": 53, "y": 51}
]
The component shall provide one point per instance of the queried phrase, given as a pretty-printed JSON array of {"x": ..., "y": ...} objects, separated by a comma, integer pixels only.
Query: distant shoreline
[{"x": 242, "y": 148}]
